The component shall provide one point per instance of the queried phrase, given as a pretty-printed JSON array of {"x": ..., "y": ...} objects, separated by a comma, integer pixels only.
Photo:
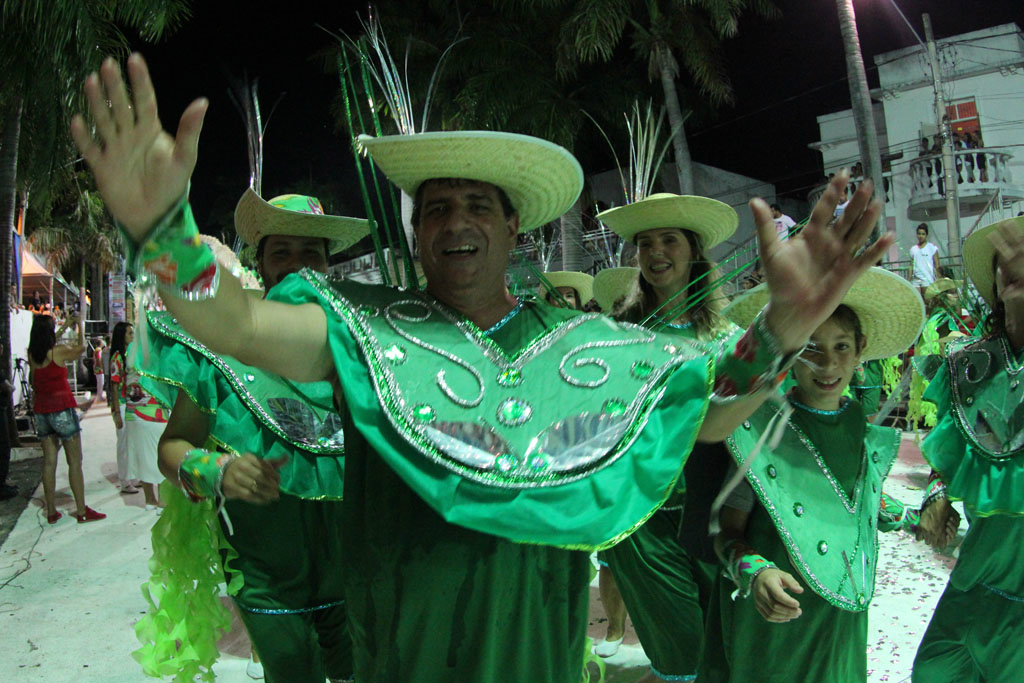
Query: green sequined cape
[
  {"x": 252, "y": 411},
  {"x": 814, "y": 513},
  {"x": 571, "y": 438},
  {"x": 978, "y": 445}
]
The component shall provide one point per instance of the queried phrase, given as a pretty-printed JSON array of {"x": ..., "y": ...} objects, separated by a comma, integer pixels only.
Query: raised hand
[
  {"x": 809, "y": 273},
  {"x": 141, "y": 170}
]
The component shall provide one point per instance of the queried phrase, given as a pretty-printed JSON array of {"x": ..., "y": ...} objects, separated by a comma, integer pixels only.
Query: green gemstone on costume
[
  {"x": 505, "y": 462},
  {"x": 250, "y": 377},
  {"x": 396, "y": 354},
  {"x": 539, "y": 462},
  {"x": 368, "y": 311},
  {"x": 822, "y": 547},
  {"x": 510, "y": 378},
  {"x": 614, "y": 406},
  {"x": 874, "y": 457},
  {"x": 671, "y": 348},
  {"x": 798, "y": 509},
  {"x": 969, "y": 400},
  {"x": 424, "y": 413},
  {"x": 772, "y": 472},
  {"x": 514, "y": 412},
  {"x": 642, "y": 369}
]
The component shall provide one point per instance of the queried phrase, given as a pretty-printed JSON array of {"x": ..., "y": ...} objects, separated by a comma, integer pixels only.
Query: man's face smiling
[
  {"x": 287, "y": 254},
  {"x": 464, "y": 237}
]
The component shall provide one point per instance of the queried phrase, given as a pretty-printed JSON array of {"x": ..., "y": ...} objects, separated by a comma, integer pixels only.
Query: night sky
[{"x": 785, "y": 73}]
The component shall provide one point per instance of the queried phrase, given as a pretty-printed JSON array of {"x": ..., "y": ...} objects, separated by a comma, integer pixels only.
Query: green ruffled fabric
[
  {"x": 589, "y": 513},
  {"x": 174, "y": 366},
  {"x": 185, "y": 617},
  {"x": 987, "y": 487}
]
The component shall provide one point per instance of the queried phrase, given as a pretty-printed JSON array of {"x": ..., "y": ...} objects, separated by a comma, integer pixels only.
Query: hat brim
[
  {"x": 256, "y": 219},
  {"x": 541, "y": 179},
  {"x": 978, "y": 255},
  {"x": 712, "y": 220},
  {"x": 889, "y": 308},
  {"x": 612, "y": 284},
  {"x": 581, "y": 282}
]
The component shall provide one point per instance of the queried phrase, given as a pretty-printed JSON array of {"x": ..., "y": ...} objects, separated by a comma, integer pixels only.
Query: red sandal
[
  {"x": 90, "y": 516},
  {"x": 52, "y": 519}
]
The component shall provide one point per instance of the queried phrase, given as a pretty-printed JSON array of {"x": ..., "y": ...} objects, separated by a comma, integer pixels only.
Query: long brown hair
[{"x": 706, "y": 315}]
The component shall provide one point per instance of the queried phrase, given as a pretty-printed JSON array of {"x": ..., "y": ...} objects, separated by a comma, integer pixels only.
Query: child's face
[{"x": 824, "y": 370}]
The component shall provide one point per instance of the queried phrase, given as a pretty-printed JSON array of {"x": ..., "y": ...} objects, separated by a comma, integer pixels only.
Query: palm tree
[
  {"x": 76, "y": 232},
  {"x": 676, "y": 34},
  {"x": 47, "y": 50}
]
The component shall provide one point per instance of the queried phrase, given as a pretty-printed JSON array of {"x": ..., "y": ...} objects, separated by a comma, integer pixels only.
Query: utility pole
[
  {"x": 948, "y": 167},
  {"x": 860, "y": 100}
]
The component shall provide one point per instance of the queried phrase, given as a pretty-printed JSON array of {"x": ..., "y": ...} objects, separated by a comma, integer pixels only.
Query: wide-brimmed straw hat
[
  {"x": 978, "y": 255},
  {"x": 612, "y": 284},
  {"x": 943, "y": 284},
  {"x": 541, "y": 179},
  {"x": 581, "y": 282},
  {"x": 297, "y": 215},
  {"x": 889, "y": 308},
  {"x": 712, "y": 220}
]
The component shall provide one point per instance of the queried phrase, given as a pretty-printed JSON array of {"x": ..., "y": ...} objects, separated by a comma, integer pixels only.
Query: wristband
[
  {"x": 755, "y": 362},
  {"x": 743, "y": 566},
  {"x": 173, "y": 256},
  {"x": 894, "y": 515},
  {"x": 201, "y": 473},
  {"x": 935, "y": 490}
]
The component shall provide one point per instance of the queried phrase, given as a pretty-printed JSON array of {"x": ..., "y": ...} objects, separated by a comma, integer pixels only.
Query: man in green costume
[
  {"x": 470, "y": 491},
  {"x": 282, "y": 494}
]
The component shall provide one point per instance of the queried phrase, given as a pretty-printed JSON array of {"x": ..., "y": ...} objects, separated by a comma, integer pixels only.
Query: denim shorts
[{"x": 63, "y": 424}]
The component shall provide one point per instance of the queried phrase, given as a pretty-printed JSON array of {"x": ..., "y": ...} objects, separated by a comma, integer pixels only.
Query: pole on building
[
  {"x": 860, "y": 100},
  {"x": 948, "y": 168}
]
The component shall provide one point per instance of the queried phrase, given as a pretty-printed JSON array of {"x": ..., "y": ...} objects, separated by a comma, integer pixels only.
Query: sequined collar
[
  {"x": 508, "y": 316},
  {"x": 842, "y": 408}
]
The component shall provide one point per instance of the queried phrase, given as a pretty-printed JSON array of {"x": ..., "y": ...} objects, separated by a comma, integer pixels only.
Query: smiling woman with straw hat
[
  {"x": 798, "y": 533},
  {"x": 664, "y": 571},
  {"x": 977, "y": 451}
]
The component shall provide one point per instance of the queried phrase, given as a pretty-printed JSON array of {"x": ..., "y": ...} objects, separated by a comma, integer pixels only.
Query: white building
[{"x": 983, "y": 84}]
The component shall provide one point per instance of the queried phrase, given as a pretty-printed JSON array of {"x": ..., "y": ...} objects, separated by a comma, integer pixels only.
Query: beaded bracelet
[
  {"x": 756, "y": 362},
  {"x": 201, "y": 473},
  {"x": 173, "y": 257}
]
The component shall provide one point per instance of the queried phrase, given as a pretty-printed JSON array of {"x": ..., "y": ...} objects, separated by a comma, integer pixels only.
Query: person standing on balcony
[
  {"x": 924, "y": 258},
  {"x": 783, "y": 223}
]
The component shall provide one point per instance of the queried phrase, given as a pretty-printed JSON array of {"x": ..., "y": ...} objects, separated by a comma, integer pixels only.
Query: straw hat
[
  {"x": 943, "y": 284},
  {"x": 540, "y": 178},
  {"x": 295, "y": 214},
  {"x": 612, "y": 284},
  {"x": 890, "y": 310},
  {"x": 712, "y": 220},
  {"x": 581, "y": 282},
  {"x": 978, "y": 255}
]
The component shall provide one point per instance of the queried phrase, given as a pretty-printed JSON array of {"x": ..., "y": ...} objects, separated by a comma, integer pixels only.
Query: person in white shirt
[
  {"x": 924, "y": 260},
  {"x": 783, "y": 223}
]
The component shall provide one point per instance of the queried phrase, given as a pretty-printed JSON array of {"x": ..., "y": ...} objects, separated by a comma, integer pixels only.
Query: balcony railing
[{"x": 979, "y": 173}]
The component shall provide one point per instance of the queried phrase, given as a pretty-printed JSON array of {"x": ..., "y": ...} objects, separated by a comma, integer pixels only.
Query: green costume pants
[
  {"x": 975, "y": 636},
  {"x": 666, "y": 592},
  {"x": 289, "y": 555}
]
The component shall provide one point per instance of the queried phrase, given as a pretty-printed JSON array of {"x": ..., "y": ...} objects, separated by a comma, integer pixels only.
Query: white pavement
[{"x": 69, "y": 593}]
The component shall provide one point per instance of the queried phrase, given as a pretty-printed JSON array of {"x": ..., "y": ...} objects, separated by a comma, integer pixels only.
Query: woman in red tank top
[{"x": 54, "y": 407}]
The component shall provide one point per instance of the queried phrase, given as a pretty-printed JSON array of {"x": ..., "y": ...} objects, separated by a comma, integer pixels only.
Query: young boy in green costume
[{"x": 798, "y": 533}]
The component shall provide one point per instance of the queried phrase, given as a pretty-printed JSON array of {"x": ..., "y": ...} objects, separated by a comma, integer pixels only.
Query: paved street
[{"x": 69, "y": 593}]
